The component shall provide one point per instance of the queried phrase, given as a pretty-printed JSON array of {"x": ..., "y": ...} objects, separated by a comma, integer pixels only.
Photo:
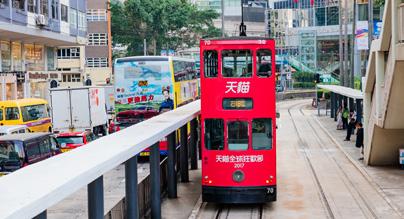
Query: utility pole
[
  {"x": 144, "y": 47},
  {"x": 341, "y": 46},
  {"x": 353, "y": 48},
  {"x": 222, "y": 5},
  {"x": 346, "y": 46}
]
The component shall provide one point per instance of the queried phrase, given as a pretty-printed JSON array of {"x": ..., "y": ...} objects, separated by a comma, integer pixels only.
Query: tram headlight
[{"x": 238, "y": 176}]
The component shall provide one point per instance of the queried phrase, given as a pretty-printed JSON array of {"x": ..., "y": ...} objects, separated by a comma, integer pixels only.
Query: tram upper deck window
[
  {"x": 214, "y": 134},
  {"x": 262, "y": 134},
  {"x": 210, "y": 63},
  {"x": 237, "y": 135},
  {"x": 237, "y": 63},
  {"x": 264, "y": 63}
]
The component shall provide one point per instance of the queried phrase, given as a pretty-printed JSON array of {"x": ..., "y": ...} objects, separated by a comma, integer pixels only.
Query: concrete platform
[
  {"x": 188, "y": 196},
  {"x": 389, "y": 179}
]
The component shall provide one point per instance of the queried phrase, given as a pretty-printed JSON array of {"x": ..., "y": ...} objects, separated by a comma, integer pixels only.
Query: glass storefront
[
  {"x": 39, "y": 89},
  {"x": 50, "y": 56},
  {"x": 17, "y": 56},
  {"x": 34, "y": 59},
  {"x": 5, "y": 49}
]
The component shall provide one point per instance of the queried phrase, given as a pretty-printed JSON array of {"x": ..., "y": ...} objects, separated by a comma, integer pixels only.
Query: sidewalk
[
  {"x": 188, "y": 195},
  {"x": 389, "y": 180}
]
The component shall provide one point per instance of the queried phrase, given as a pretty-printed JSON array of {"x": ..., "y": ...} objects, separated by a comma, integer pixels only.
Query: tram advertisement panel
[{"x": 140, "y": 84}]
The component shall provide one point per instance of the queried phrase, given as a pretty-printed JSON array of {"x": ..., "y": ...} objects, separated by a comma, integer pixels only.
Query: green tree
[{"x": 165, "y": 24}]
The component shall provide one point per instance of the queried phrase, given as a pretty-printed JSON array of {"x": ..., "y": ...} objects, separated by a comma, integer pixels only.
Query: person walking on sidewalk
[
  {"x": 350, "y": 127},
  {"x": 345, "y": 116},
  {"x": 359, "y": 138},
  {"x": 339, "y": 119}
]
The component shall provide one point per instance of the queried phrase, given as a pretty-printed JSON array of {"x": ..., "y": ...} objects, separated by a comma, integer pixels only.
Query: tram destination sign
[{"x": 237, "y": 103}]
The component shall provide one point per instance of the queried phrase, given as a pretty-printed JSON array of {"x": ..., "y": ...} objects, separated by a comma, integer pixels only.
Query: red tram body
[{"x": 238, "y": 118}]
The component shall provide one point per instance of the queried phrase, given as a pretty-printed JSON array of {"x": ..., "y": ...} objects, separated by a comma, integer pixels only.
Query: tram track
[
  {"x": 231, "y": 211},
  {"x": 360, "y": 199},
  {"x": 351, "y": 181},
  {"x": 303, "y": 144}
]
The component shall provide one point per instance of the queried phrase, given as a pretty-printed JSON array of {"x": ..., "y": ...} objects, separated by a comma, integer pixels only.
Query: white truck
[
  {"x": 110, "y": 101},
  {"x": 79, "y": 109}
]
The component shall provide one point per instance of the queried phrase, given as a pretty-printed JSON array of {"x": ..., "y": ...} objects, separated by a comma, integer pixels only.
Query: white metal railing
[{"x": 28, "y": 192}]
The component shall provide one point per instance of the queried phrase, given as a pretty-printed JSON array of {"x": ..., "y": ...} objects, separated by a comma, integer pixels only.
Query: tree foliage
[{"x": 165, "y": 24}]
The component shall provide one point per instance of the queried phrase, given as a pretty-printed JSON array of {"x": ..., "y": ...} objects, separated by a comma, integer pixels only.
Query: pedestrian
[
  {"x": 350, "y": 127},
  {"x": 339, "y": 119},
  {"x": 345, "y": 116},
  {"x": 359, "y": 138}
]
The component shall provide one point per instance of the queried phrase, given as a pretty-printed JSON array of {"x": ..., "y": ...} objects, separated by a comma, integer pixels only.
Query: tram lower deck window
[
  {"x": 262, "y": 134},
  {"x": 214, "y": 134},
  {"x": 237, "y": 135}
]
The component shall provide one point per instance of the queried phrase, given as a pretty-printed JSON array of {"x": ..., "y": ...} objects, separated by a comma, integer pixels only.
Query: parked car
[
  {"x": 138, "y": 114},
  {"x": 20, "y": 150},
  {"x": 13, "y": 129},
  {"x": 72, "y": 140}
]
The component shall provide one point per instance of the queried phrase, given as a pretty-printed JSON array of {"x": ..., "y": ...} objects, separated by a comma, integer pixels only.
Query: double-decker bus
[
  {"x": 238, "y": 118},
  {"x": 146, "y": 86}
]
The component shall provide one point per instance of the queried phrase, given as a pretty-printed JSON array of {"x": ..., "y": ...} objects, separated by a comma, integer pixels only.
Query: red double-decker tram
[{"x": 238, "y": 118}]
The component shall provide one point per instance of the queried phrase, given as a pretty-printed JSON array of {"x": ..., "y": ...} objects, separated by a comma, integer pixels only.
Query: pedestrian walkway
[
  {"x": 188, "y": 195},
  {"x": 388, "y": 179}
]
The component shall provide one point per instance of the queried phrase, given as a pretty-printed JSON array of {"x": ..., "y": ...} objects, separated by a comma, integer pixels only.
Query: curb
[
  {"x": 361, "y": 170},
  {"x": 195, "y": 211}
]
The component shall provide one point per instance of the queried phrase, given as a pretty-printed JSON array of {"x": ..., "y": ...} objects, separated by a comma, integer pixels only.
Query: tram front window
[
  {"x": 237, "y": 63},
  {"x": 264, "y": 64},
  {"x": 237, "y": 135},
  {"x": 262, "y": 134},
  {"x": 214, "y": 134}
]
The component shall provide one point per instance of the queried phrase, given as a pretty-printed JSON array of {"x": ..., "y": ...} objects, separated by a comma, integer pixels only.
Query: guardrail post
[
  {"x": 184, "y": 154},
  {"x": 42, "y": 215},
  {"x": 333, "y": 105},
  {"x": 95, "y": 192},
  {"x": 172, "y": 175},
  {"x": 193, "y": 147},
  {"x": 359, "y": 110},
  {"x": 155, "y": 181},
  {"x": 132, "y": 207}
]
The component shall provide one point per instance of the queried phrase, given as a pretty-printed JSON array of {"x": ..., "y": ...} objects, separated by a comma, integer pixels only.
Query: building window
[
  {"x": 71, "y": 77},
  {"x": 44, "y": 8},
  {"x": 64, "y": 13},
  {"x": 69, "y": 53},
  {"x": 82, "y": 21},
  {"x": 17, "y": 56},
  {"x": 32, "y": 6},
  {"x": 55, "y": 10},
  {"x": 50, "y": 54},
  {"x": 19, "y": 4},
  {"x": 5, "y": 49},
  {"x": 34, "y": 59},
  {"x": 96, "y": 15},
  {"x": 97, "y": 39},
  {"x": 73, "y": 18},
  {"x": 98, "y": 62}
]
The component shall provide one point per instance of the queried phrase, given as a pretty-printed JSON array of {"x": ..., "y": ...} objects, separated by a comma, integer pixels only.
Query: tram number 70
[{"x": 238, "y": 165}]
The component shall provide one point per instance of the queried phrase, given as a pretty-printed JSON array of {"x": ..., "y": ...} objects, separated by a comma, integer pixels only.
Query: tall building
[
  {"x": 253, "y": 13},
  {"x": 307, "y": 32},
  {"x": 99, "y": 45},
  {"x": 92, "y": 61},
  {"x": 30, "y": 32}
]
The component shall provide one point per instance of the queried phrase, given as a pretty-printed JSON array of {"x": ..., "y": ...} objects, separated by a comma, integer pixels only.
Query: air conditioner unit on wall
[{"x": 41, "y": 20}]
